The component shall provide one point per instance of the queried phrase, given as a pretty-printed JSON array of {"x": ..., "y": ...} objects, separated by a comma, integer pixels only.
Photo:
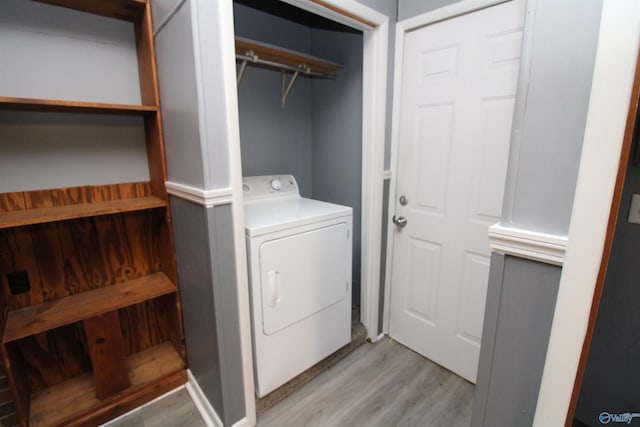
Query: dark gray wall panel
[
  {"x": 383, "y": 253},
  {"x": 222, "y": 259},
  {"x": 547, "y": 138},
  {"x": 337, "y": 131},
  {"x": 612, "y": 375},
  {"x": 489, "y": 329},
  {"x": 520, "y": 303},
  {"x": 274, "y": 140},
  {"x": 195, "y": 275}
]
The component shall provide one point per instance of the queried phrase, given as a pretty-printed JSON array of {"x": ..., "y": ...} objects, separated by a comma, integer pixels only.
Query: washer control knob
[{"x": 275, "y": 184}]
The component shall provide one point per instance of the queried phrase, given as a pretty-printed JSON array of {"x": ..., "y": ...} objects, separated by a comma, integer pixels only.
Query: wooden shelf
[
  {"x": 128, "y": 10},
  {"x": 24, "y": 217},
  {"x": 69, "y": 402},
  {"x": 114, "y": 320},
  {"x": 287, "y": 57},
  {"x": 29, "y": 104},
  {"x": 49, "y": 315}
]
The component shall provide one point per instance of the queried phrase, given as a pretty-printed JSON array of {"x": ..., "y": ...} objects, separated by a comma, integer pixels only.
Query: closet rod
[{"x": 302, "y": 68}]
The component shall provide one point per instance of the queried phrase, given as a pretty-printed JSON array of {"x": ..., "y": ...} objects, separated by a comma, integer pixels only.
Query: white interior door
[{"x": 458, "y": 89}]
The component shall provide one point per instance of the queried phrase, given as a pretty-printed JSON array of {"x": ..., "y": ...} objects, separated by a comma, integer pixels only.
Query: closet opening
[{"x": 305, "y": 120}]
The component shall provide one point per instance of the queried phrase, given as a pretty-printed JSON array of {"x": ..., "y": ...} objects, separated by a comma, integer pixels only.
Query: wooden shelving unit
[{"x": 98, "y": 329}]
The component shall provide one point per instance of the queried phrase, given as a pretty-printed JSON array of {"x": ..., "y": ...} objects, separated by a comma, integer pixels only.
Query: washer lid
[{"x": 269, "y": 215}]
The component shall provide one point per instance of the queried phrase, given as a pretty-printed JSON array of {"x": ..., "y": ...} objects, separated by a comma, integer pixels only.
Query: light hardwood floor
[
  {"x": 174, "y": 410},
  {"x": 382, "y": 384}
]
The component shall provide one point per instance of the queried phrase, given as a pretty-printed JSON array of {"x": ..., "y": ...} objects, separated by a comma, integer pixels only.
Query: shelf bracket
[
  {"x": 249, "y": 56},
  {"x": 286, "y": 88}
]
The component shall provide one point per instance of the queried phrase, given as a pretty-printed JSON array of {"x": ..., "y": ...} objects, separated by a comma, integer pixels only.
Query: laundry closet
[
  {"x": 300, "y": 113},
  {"x": 317, "y": 134}
]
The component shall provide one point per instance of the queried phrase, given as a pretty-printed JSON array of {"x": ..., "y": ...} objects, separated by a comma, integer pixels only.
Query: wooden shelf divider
[
  {"x": 60, "y": 213},
  {"x": 38, "y": 318},
  {"x": 50, "y": 105}
]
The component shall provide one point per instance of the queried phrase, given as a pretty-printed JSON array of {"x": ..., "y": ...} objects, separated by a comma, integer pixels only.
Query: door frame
[
  {"x": 600, "y": 162},
  {"x": 375, "y": 28},
  {"x": 402, "y": 28}
]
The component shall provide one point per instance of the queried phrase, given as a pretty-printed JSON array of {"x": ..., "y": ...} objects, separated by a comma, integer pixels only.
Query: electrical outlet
[
  {"x": 18, "y": 282},
  {"x": 634, "y": 212}
]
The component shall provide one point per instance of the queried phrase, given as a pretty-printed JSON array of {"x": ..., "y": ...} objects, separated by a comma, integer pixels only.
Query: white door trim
[
  {"x": 403, "y": 27},
  {"x": 612, "y": 84},
  {"x": 374, "y": 78},
  {"x": 374, "y": 83}
]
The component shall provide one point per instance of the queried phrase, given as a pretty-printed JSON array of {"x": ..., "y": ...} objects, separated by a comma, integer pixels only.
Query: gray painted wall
[
  {"x": 337, "y": 131},
  {"x": 197, "y": 146},
  {"x": 86, "y": 57},
  {"x": 553, "y": 92},
  {"x": 612, "y": 375},
  {"x": 410, "y": 8},
  {"x": 550, "y": 116},
  {"x": 178, "y": 94},
  {"x": 56, "y": 53},
  {"x": 274, "y": 140}
]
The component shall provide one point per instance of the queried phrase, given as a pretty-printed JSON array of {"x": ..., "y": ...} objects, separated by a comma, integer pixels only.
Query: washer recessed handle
[{"x": 273, "y": 288}]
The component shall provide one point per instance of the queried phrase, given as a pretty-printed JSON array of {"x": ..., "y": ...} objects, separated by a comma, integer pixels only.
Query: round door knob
[{"x": 400, "y": 221}]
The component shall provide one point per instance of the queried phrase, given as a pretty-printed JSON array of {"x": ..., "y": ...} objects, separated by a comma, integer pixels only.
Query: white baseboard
[
  {"x": 207, "y": 412},
  {"x": 244, "y": 422}
]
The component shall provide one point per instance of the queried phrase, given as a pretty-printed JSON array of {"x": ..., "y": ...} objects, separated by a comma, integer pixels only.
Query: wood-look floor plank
[
  {"x": 384, "y": 384},
  {"x": 310, "y": 405},
  {"x": 175, "y": 409},
  {"x": 378, "y": 385}
]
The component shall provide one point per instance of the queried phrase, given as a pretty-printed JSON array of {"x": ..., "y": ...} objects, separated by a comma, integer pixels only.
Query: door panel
[
  {"x": 457, "y": 97},
  {"x": 317, "y": 277}
]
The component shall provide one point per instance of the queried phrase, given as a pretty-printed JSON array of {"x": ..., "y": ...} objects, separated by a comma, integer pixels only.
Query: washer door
[{"x": 302, "y": 274}]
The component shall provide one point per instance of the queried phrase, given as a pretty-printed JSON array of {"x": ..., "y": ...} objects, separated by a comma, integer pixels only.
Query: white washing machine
[{"x": 299, "y": 256}]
